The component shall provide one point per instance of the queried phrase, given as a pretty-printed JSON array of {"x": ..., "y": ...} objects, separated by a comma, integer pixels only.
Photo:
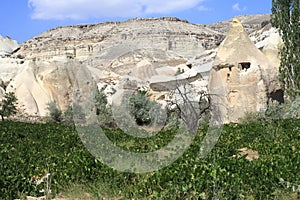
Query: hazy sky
[{"x": 24, "y": 19}]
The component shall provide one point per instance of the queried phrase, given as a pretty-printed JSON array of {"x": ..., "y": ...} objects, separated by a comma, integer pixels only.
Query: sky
[{"x": 24, "y": 19}]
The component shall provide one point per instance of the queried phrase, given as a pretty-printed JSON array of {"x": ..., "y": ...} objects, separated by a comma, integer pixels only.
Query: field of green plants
[{"x": 28, "y": 151}]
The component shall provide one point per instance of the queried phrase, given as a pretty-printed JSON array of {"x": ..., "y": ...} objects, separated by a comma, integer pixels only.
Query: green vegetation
[
  {"x": 288, "y": 110},
  {"x": 55, "y": 114},
  {"x": 8, "y": 105},
  {"x": 103, "y": 110},
  {"x": 286, "y": 17},
  {"x": 28, "y": 150},
  {"x": 140, "y": 107}
]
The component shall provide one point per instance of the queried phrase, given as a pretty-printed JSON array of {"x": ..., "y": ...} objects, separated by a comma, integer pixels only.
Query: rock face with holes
[
  {"x": 151, "y": 53},
  {"x": 242, "y": 79}
]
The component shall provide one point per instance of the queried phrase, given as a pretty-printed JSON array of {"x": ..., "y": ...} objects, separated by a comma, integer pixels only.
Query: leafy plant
[
  {"x": 55, "y": 114},
  {"x": 140, "y": 107},
  {"x": 8, "y": 105},
  {"x": 72, "y": 112},
  {"x": 103, "y": 110},
  {"x": 26, "y": 150}
]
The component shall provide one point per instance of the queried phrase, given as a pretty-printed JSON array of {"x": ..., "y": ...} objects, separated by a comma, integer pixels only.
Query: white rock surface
[
  {"x": 7, "y": 46},
  {"x": 147, "y": 52}
]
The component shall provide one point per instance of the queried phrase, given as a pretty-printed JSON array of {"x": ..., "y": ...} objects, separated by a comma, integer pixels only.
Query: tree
[
  {"x": 190, "y": 111},
  {"x": 286, "y": 17},
  {"x": 8, "y": 105}
]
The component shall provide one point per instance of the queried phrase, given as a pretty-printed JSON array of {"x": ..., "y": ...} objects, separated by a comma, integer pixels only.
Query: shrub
[
  {"x": 55, "y": 114},
  {"x": 140, "y": 107},
  {"x": 8, "y": 105},
  {"x": 73, "y": 112},
  {"x": 252, "y": 117},
  {"x": 274, "y": 112},
  {"x": 103, "y": 110},
  {"x": 292, "y": 109}
]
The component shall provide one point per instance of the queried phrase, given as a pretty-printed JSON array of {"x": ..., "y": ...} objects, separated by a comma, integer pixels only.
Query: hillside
[{"x": 145, "y": 51}]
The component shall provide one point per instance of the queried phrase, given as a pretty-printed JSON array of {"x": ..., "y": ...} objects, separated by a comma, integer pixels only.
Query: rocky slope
[{"x": 148, "y": 52}]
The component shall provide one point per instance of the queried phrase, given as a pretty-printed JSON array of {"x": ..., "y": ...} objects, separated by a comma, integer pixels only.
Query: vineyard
[{"x": 29, "y": 151}]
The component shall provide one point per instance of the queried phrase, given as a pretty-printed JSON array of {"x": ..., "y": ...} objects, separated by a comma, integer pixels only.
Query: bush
[
  {"x": 103, "y": 110},
  {"x": 8, "y": 105},
  {"x": 55, "y": 114},
  {"x": 292, "y": 109},
  {"x": 274, "y": 112},
  {"x": 140, "y": 107},
  {"x": 73, "y": 112}
]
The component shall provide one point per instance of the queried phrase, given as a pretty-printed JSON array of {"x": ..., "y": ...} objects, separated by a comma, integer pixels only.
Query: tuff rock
[
  {"x": 242, "y": 78},
  {"x": 134, "y": 54}
]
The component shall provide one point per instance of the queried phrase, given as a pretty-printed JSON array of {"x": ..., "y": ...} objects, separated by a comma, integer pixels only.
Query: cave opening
[
  {"x": 277, "y": 96},
  {"x": 244, "y": 65}
]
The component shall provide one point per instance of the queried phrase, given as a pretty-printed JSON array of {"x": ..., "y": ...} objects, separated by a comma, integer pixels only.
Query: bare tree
[{"x": 191, "y": 110}]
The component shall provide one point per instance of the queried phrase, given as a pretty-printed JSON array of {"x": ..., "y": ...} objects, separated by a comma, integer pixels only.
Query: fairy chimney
[{"x": 242, "y": 78}]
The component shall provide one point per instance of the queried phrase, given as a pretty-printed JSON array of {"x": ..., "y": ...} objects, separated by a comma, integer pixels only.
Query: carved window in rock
[
  {"x": 244, "y": 65},
  {"x": 229, "y": 73},
  {"x": 228, "y": 77}
]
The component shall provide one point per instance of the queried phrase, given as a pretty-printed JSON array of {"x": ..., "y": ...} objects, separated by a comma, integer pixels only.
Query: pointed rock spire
[{"x": 237, "y": 47}]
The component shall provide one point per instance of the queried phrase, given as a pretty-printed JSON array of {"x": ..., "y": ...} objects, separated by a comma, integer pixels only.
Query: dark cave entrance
[
  {"x": 244, "y": 65},
  {"x": 277, "y": 96}
]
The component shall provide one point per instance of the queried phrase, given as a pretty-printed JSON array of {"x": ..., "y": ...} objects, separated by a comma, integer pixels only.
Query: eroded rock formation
[
  {"x": 242, "y": 78},
  {"x": 146, "y": 52}
]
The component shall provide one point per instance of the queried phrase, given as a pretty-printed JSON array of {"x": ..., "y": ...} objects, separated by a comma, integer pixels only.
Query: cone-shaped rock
[{"x": 242, "y": 78}]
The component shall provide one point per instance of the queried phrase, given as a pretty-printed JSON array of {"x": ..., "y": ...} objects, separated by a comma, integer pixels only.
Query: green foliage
[
  {"x": 72, "y": 111},
  {"x": 26, "y": 150},
  {"x": 8, "y": 105},
  {"x": 103, "y": 110},
  {"x": 140, "y": 107},
  {"x": 274, "y": 112},
  {"x": 288, "y": 110},
  {"x": 67, "y": 116},
  {"x": 285, "y": 16},
  {"x": 292, "y": 109},
  {"x": 55, "y": 114}
]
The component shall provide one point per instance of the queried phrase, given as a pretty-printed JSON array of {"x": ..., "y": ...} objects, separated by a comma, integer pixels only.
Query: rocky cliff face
[
  {"x": 118, "y": 38},
  {"x": 147, "y": 51}
]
